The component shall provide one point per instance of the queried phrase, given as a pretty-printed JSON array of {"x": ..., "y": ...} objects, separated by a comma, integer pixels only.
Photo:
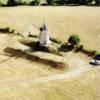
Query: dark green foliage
[
  {"x": 97, "y": 57},
  {"x": 37, "y": 2},
  {"x": 97, "y": 53},
  {"x": 97, "y": 2},
  {"x": 87, "y": 51},
  {"x": 50, "y": 2},
  {"x": 60, "y": 2},
  {"x": 34, "y": 2},
  {"x": 33, "y": 35},
  {"x": 74, "y": 39},
  {"x": 55, "y": 40},
  {"x": 11, "y": 3}
]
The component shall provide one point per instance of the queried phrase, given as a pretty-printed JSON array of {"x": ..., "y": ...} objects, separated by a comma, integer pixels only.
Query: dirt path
[
  {"x": 80, "y": 66},
  {"x": 71, "y": 74}
]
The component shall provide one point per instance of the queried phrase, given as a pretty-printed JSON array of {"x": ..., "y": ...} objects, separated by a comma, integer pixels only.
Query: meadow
[{"x": 21, "y": 79}]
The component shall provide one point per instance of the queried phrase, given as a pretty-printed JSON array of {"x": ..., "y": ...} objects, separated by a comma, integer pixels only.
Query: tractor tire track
[{"x": 71, "y": 74}]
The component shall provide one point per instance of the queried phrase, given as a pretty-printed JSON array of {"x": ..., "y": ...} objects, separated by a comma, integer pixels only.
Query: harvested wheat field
[{"x": 25, "y": 76}]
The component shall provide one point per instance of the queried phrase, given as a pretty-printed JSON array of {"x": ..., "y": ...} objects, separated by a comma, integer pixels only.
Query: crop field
[{"x": 25, "y": 78}]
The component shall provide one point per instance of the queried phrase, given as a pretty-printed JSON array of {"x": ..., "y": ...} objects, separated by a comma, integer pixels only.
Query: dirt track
[
  {"x": 64, "y": 76},
  {"x": 54, "y": 77}
]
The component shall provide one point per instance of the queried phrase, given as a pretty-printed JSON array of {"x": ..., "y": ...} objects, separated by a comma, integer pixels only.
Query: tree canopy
[{"x": 48, "y": 2}]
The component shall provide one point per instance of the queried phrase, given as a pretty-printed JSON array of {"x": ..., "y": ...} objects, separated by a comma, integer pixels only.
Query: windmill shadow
[
  {"x": 34, "y": 46},
  {"x": 17, "y": 53}
]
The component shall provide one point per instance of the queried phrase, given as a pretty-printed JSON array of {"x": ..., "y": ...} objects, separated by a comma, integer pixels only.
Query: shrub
[
  {"x": 55, "y": 40},
  {"x": 37, "y": 2},
  {"x": 66, "y": 48},
  {"x": 60, "y": 2},
  {"x": 11, "y": 3},
  {"x": 97, "y": 56},
  {"x": 33, "y": 35},
  {"x": 89, "y": 52},
  {"x": 79, "y": 48},
  {"x": 34, "y": 2},
  {"x": 97, "y": 53},
  {"x": 74, "y": 39},
  {"x": 21, "y": 2},
  {"x": 50, "y": 2}
]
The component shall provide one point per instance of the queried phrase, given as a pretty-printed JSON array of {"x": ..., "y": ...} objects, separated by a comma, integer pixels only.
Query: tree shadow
[
  {"x": 6, "y": 30},
  {"x": 17, "y": 53},
  {"x": 66, "y": 48}
]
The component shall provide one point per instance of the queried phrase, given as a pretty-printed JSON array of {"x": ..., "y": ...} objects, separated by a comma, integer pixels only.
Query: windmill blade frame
[{"x": 36, "y": 26}]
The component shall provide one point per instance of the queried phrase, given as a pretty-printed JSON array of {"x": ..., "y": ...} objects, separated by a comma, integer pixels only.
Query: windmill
[
  {"x": 44, "y": 38},
  {"x": 43, "y": 43}
]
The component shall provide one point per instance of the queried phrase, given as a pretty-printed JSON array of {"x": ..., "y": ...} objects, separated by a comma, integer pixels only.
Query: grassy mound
[
  {"x": 32, "y": 44},
  {"x": 17, "y": 53}
]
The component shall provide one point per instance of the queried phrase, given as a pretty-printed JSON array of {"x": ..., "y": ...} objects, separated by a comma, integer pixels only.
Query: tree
[
  {"x": 35, "y": 2},
  {"x": 85, "y": 2},
  {"x": 97, "y": 2},
  {"x": 61, "y": 2},
  {"x": 74, "y": 39},
  {"x": 11, "y": 3},
  {"x": 50, "y": 2}
]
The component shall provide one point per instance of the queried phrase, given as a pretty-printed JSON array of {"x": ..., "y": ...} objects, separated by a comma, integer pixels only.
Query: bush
[
  {"x": 35, "y": 2},
  {"x": 55, "y": 40},
  {"x": 11, "y": 3},
  {"x": 74, "y": 39},
  {"x": 21, "y": 2},
  {"x": 50, "y": 2},
  {"x": 32, "y": 3},
  {"x": 33, "y": 35},
  {"x": 89, "y": 52},
  {"x": 79, "y": 48},
  {"x": 97, "y": 56},
  {"x": 60, "y": 2},
  {"x": 97, "y": 53},
  {"x": 66, "y": 47}
]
